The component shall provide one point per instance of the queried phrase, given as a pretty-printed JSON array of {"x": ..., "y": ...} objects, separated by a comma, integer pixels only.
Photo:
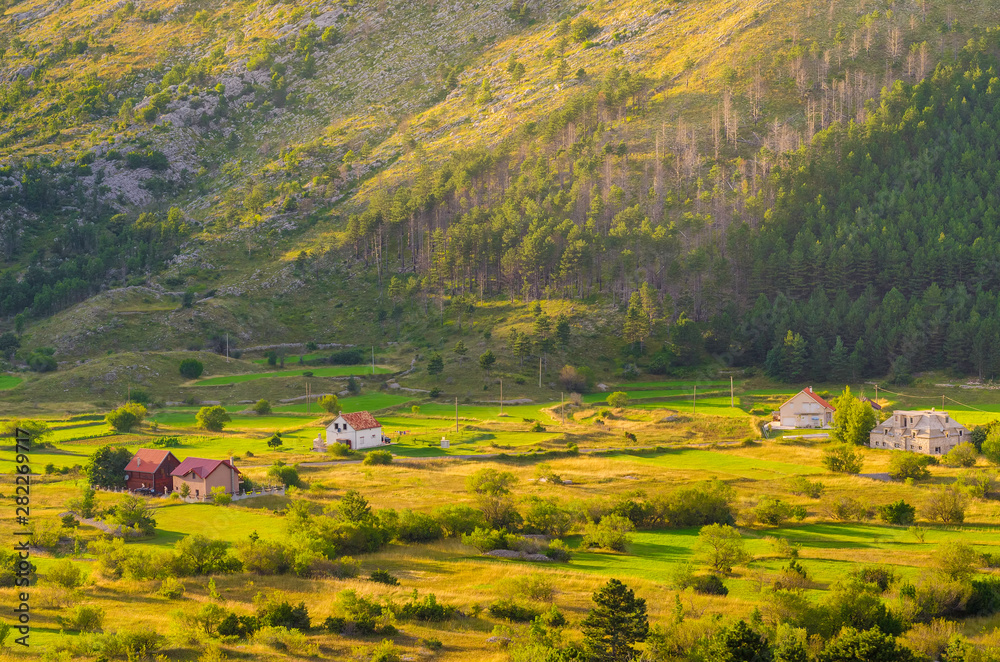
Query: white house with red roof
[
  {"x": 357, "y": 430},
  {"x": 805, "y": 409},
  {"x": 202, "y": 475}
]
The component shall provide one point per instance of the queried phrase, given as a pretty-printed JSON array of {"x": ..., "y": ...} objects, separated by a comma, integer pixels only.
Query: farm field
[
  {"x": 715, "y": 443},
  {"x": 326, "y": 371}
]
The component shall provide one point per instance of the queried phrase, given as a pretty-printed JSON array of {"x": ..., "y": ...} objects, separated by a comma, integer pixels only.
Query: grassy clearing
[
  {"x": 330, "y": 371},
  {"x": 8, "y": 382}
]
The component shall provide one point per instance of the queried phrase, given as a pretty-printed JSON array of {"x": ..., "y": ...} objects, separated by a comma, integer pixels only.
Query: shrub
[
  {"x": 851, "y": 509},
  {"x": 286, "y": 475},
  {"x": 907, "y": 464},
  {"x": 709, "y": 585},
  {"x": 428, "y": 609},
  {"x": 843, "y": 458},
  {"x": 963, "y": 455},
  {"x": 775, "y": 512},
  {"x": 457, "y": 519},
  {"x": 191, "y": 368},
  {"x": 338, "y": 450},
  {"x": 378, "y": 457},
  {"x": 334, "y": 624},
  {"x": 882, "y": 577},
  {"x": 612, "y": 532},
  {"x": 238, "y": 626},
  {"x": 486, "y": 540},
  {"x": 558, "y": 551},
  {"x": 947, "y": 504},
  {"x": 220, "y": 497},
  {"x": 417, "y": 527},
  {"x": 802, "y": 485},
  {"x": 272, "y": 613},
  {"x": 898, "y": 512},
  {"x": 262, "y": 407},
  {"x": 65, "y": 573},
  {"x": 583, "y": 28},
  {"x": 346, "y": 357},
  {"x": 534, "y": 586},
  {"x": 383, "y": 577},
  {"x": 509, "y": 610},
  {"x": 84, "y": 618},
  {"x": 171, "y": 588},
  {"x": 699, "y": 505}
]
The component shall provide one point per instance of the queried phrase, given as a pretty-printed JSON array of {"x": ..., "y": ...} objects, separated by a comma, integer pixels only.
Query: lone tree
[
  {"x": 329, "y": 403},
  {"x": 854, "y": 419},
  {"x": 616, "y": 622},
  {"x": 435, "y": 364},
  {"x": 720, "y": 547},
  {"x": 262, "y": 407},
  {"x": 212, "y": 418},
  {"x": 126, "y": 417},
  {"x": 486, "y": 361},
  {"x": 618, "y": 400},
  {"x": 192, "y": 368},
  {"x": 107, "y": 467}
]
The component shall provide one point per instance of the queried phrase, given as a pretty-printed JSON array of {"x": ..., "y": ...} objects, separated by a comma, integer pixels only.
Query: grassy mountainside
[{"x": 285, "y": 163}]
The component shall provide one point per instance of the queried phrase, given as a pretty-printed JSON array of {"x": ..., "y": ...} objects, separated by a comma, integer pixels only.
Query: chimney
[{"x": 138, "y": 461}]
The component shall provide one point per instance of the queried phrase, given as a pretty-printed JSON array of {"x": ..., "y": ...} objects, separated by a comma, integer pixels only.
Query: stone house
[{"x": 928, "y": 431}]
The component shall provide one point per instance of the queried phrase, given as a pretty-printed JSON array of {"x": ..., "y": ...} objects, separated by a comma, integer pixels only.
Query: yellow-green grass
[
  {"x": 329, "y": 371},
  {"x": 8, "y": 382},
  {"x": 232, "y": 523},
  {"x": 364, "y": 402},
  {"x": 718, "y": 464}
]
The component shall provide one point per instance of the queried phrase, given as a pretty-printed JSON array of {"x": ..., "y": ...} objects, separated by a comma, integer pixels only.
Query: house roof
[
  {"x": 361, "y": 420},
  {"x": 928, "y": 421},
  {"x": 148, "y": 460},
  {"x": 876, "y": 406},
  {"x": 200, "y": 467},
  {"x": 809, "y": 391}
]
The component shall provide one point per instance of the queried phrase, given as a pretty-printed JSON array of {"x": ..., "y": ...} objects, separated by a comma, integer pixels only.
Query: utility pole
[
  {"x": 456, "y": 416},
  {"x": 876, "y": 392},
  {"x": 694, "y": 409},
  {"x": 732, "y": 395},
  {"x": 942, "y": 402},
  {"x": 501, "y": 396},
  {"x": 307, "y": 398},
  {"x": 539, "y": 372},
  {"x": 373, "y": 359},
  {"x": 562, "y": 407}
]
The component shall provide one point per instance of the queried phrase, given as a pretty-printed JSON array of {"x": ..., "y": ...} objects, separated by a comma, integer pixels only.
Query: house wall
[
  {"x": 196, "y": 485},
  {"x": 223, "y": 476},
  {"x": 159, "y": 482},
  {"x": 369, "y": 438},
  {"x": 804, "y": 412}
]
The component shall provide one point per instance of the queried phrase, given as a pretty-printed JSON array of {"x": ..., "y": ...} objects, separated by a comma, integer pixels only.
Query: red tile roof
[
  {"x": 361, "y": 420},
  {"x": 148, "y": 460},
  {"x": 808, "y": 391},
  {"x": 200, "y": 467}
]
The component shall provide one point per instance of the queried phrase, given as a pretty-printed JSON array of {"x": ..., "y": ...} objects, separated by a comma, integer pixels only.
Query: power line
[{"x": 947, "y": 397}]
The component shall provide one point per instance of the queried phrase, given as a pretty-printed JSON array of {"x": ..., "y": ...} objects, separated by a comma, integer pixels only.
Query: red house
[{"x": 151, "y": 468}]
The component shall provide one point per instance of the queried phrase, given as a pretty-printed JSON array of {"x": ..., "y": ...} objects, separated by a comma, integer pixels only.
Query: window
[{"x": 937, "y": 449}]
